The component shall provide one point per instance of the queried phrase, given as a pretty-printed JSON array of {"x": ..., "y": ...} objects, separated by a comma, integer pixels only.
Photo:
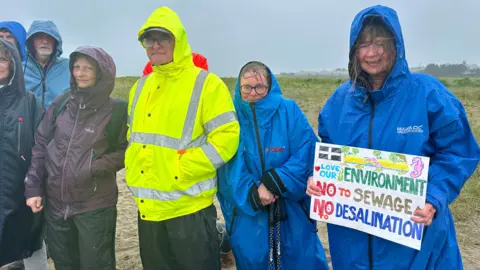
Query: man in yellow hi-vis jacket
[{"x": 182, "y": 127}]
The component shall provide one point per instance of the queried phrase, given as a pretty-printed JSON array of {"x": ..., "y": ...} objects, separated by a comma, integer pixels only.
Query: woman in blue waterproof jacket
[
  {"x": 385, "y": 107},
  {"x": 262, "y": 189}
]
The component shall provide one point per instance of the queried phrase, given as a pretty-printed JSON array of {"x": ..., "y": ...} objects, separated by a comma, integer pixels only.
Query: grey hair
[
  {"x": 257, "y": 68},
  {"x": 373, "y": 27}
]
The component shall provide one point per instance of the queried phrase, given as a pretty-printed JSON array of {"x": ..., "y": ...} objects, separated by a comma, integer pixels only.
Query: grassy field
[{"x": 311, "y": 94}]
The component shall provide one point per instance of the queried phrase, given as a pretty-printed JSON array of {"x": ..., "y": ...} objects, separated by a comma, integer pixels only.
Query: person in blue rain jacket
[
  {"x": 47, "y": 74},
  {"x": 385, "y": 107},
  {"x": 15, "y": 33},
  {"x": 262, "y": 189}
]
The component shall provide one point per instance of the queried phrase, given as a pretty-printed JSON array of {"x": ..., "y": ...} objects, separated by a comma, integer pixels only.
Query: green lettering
[
  {"x": 422, "y": 186},
  {"x": 374, "y": 179},
  {"x": 347, "y": 174},
  {"x": 388, "y": 182},
  {"x": 381, "y": 180},
  {"x": 398, "y": 182}
]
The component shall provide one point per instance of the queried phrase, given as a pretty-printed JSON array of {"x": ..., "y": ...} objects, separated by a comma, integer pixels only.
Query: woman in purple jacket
[{"x": 74, "y": 165}]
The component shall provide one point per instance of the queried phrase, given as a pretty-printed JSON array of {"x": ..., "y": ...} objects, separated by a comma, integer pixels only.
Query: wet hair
[
  {"x": 5, "y": 30},
  {"x": 258, "y": 68},
  {"x": 373, "y": 27}
]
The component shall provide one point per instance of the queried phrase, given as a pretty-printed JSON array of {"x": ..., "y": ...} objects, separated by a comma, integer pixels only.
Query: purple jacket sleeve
[{"x": 35, "y": 179}]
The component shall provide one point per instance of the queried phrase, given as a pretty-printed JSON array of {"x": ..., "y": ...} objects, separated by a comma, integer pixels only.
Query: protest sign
[{"x": 373, "y": 191}]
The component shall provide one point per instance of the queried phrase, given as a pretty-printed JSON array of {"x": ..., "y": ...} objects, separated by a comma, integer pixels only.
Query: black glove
[{"x": 273, "y": 183}]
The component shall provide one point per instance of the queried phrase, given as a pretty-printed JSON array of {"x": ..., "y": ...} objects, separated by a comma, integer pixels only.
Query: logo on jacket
[
  {"x": 414, "y": 129},
  {"x": 275, "y": 149}
]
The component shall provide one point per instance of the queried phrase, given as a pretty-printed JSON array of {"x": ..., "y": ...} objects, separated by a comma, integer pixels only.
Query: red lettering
[
  {"x": 323, "y": 208},
  {"x": 329, "y": 189}
]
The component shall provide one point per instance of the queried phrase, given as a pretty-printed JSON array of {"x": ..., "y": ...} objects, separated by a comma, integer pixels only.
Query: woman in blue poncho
[
  {"x": 262, "y": 189},
  {"x": 385, "y": 107}
]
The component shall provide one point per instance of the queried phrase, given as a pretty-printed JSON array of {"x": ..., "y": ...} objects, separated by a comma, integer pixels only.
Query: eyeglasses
[
  {"x": 162, "y": 39},
  {"x": 260, "y": 89}
]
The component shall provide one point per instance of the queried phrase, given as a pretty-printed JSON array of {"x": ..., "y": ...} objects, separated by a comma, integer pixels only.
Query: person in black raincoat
[{"x": 20, "y": 229}]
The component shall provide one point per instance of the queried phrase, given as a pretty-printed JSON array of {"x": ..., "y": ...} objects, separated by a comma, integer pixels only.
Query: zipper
[
  {"x": 234, "y": 217},
  {"x": 65, "y": 161},
  {"x": 19, "y": 134},
  {"x": 370, "y": 126},
  {"x": 43, "y": 91},
  {"x": 90, "y": 169}
]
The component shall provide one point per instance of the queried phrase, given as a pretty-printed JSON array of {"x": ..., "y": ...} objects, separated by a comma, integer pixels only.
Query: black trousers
[
  {"x": 184, "y": 243},
  {"x": 84, "y": 241}
]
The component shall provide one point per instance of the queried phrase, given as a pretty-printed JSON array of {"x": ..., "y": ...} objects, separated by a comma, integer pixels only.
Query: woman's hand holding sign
[
  {"x": 425, "y": 215},
  {"x": 312, "y": 188}
]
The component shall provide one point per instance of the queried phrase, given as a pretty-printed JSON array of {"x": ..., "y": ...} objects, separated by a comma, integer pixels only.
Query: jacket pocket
[{"x": 84, "y": 180}]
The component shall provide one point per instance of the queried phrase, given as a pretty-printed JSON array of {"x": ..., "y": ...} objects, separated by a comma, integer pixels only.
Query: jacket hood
[
  {"x": 390, "y": 18},
  {"x": 16, "y": 83},
  {"x": 166, "y": 18},
  {"x": 265, "y": 107},
  {"x": 47, "y": 27},
  {"x": 20, "y": 35},
  {"x": 98, "y": 94}
]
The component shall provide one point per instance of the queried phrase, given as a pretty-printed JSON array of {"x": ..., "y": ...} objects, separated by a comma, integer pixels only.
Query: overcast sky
[{"x": 287, "y": 35}]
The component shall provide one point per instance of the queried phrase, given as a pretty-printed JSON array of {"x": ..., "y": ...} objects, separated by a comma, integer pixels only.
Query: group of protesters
[{"x": 182, "y": 140}]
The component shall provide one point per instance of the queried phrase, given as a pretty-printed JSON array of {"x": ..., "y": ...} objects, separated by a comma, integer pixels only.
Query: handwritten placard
[{"x": 372, "y": 191}]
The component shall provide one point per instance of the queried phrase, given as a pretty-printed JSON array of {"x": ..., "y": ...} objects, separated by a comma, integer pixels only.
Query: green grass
[{"x": 311, "y": 94}]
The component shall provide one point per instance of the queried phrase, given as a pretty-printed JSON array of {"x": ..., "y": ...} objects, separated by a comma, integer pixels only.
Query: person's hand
[
  {"x": 425, "y": 215},
  {"x": 35, "y": 203},
  {"x": 312, "y": 188},
  {"x": 265, "y": 195}
]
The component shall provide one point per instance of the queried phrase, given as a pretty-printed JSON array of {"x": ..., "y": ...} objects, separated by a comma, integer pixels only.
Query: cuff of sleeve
[
  {"x": 254, "y": 199},
  {"x": 438, "y": 204},
  {"x": 273, "y": 183},
  {"x": 33, "y": 192}
]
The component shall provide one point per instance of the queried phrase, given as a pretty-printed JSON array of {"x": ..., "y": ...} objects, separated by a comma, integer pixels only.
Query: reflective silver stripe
[
  {"x": 193, "y": 106},
  {"x": 213, "y": 155},
  {"x": 154, "y": 194},
  {"x": 155, "y": 139},
  {"x": 166, "y": 141},
  {"x": 140, "y": 84},
  {"x": 220, "y": 120}
]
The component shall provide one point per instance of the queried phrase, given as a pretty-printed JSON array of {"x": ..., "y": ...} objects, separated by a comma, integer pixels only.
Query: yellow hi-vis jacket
[{"x": 182, "y": 127}]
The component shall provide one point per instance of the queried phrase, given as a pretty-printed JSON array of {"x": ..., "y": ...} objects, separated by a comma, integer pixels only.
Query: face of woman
[
  {"x": 253, "y": 86},
  {"x": 84, "y": 72},
  {"x": 4, "y": 68},
  {"x": 376, "y": 55}
]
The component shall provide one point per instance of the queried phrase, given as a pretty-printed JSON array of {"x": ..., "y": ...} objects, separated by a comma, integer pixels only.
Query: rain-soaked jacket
[
  {"x": 413, "y": 114},
  {"x": 182, "y": 127},
  {"x": 52, "y": 81},
  {"x": 73, "y": 165},
  {"x": 18, "y": 31},
  {"x": 20, "y": 114},
  {"x": 274, "y": 131}
]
